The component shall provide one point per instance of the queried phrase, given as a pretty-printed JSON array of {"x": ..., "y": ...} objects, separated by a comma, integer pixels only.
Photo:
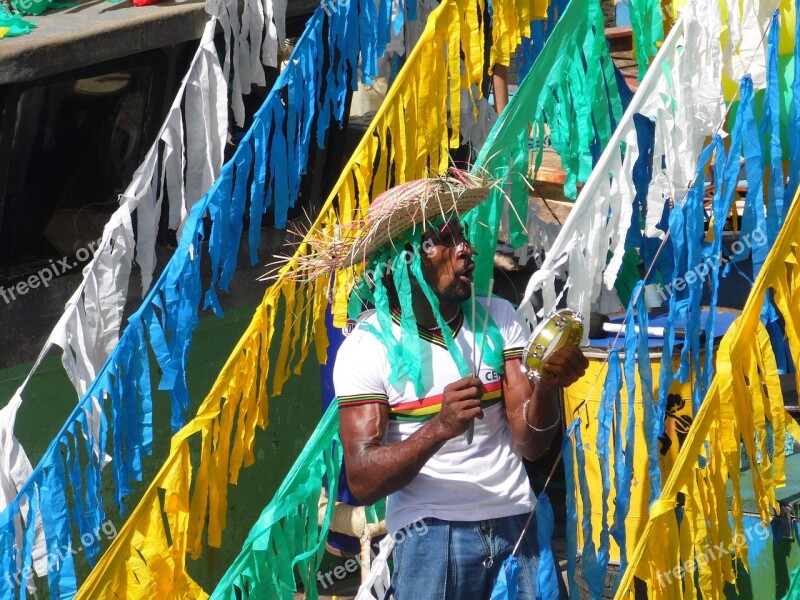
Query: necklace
[{"x": 448, "y": 322}]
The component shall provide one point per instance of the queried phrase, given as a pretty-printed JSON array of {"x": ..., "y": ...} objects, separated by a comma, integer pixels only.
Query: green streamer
[
  {"x": 286, "y": 540},
  {"x": 13, "y": 25},
  {"x": 410, "y": 347},
  {"x": 493, "y": 346},
  {"x": 570, "y": 90},
  {"x": 648, "y": 29}
]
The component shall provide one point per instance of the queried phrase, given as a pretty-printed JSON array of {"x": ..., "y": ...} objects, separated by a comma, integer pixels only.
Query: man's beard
[{"x": 456, "y": 292}]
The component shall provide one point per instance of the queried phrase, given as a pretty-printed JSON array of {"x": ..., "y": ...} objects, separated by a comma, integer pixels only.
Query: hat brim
[{"x": 410, "y": 215}]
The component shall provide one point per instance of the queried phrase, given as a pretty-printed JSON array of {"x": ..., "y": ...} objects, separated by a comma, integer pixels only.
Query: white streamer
[
  {"x": 686, "y": 105},
  {"x": 377, "y": 582}
]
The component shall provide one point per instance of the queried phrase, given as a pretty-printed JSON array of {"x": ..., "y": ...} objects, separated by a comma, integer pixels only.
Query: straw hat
[{"x": 390, "y": 218}]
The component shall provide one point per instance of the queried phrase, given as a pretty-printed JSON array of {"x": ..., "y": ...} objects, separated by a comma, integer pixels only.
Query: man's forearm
[
  {"x": 541, "y": 416},
  {"x": 379, "y": 470}
]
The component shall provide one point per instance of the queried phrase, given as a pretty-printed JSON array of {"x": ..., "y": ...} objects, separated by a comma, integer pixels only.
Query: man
[{"x": 407, "y": 401}]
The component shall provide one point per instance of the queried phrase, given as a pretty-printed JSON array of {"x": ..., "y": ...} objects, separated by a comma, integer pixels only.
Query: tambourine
[{"x": 562, "y": 328}]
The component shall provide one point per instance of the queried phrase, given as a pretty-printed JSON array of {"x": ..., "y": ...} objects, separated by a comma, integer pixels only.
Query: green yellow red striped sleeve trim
[
  {"x": 426, "y": 408},
  {"x": 511, "y": 353},
  {"x": 362, "y": 399}
]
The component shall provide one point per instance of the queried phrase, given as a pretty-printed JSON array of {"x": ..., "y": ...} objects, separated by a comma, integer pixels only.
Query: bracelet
[{"x": 536, "y": 429}]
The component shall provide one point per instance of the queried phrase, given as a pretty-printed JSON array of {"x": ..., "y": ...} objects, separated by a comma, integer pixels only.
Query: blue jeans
[{"x": 460, "y": 560}]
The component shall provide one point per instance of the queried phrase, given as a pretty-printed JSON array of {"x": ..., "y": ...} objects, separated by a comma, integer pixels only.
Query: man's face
[{"x": 447, "y": 261}]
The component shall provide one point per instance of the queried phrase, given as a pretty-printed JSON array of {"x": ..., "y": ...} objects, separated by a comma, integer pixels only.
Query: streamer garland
[
  {"x": 681, "y": 535},
  {"x": 409, "y": 137},
  {"x": 168, "y": 316}
]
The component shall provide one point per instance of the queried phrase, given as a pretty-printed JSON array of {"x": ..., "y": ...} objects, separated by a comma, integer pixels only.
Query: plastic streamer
[
  {"x": 608, "y": 402},
  {"x": 710, "y": 457},
  {"x": 88, "y": 330},
  {"x": 166, "y": 319},
  {"x": 775, "y": 209},
  {"x": 546, "y": 575},
  {"x": 532, "y": 45},
  {"x": 407, "y": 140},
  {"x": 647, "y": 23},
  {"x": 511, "y": 22},
  {"x": 684, "y": 99},
  {"x": 793, "y": 125},
  {"x": 286, "y": 542},
  {"x": 568, "y": 454},
  {"x": 591, "y": 244},
  {"x": 623, "y": 455},
  {"x": 574, "y": 92},
  {"x": 13, "y": 25}
]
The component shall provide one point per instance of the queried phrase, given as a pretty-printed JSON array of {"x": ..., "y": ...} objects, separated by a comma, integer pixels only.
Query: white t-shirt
[{"x": 461, "y": 482}]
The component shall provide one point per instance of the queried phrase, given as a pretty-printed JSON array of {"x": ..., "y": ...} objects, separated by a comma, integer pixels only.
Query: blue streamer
[
  {"x": 776, "y": 212},
  {"x": 243, "y": 161},
  {"x": 367, "y": 24},
  {"x": 772, "y": 127},
  {"x": 547, "y": 574},
  {"x": 55, "y": 519},
  {"x": 257, "y": 190},
  {"x": 567, "y": 452},
  {"x": 652, "y": 425},
  {"x": 278, "y": 191},
  {"x": 219, "y": 241},
  {"x": 506, "y": 587},
  {"x": 753, "y": 217},
  {"x": 613, "y": 387},
  {"x": 642, "y": 175},
  {"x": 593, "y": 570},
  {"x": 28, "y": 539},
  {"x": 720, "y": 213},
  {"x": 609, "y": 399}
]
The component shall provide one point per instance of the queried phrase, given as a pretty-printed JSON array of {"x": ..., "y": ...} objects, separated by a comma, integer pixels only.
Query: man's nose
[{"x": 464, "y": 249}]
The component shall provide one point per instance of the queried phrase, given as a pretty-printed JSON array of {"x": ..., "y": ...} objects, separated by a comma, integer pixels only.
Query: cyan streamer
[{"x": 286, "y": 539}]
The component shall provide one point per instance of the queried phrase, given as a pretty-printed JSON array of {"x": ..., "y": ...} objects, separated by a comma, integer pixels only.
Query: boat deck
[{"x": 96, "y": 30}]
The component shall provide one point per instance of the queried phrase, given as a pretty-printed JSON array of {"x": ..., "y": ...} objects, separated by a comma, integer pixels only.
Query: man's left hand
[{"x": 566, "y": 365}]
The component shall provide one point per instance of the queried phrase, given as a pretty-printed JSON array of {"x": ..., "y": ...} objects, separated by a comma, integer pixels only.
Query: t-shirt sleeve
[
  {"x": 514, "y": 334},
  {"x": 358, "y": 375}
]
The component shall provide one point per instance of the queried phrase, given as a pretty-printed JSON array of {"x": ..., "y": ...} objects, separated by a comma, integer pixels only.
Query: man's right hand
[{"x": 461, "y": 402}]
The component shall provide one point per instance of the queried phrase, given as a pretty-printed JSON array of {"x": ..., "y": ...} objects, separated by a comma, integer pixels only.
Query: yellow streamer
[
  {"x": 744, "y": 395},
  {"x": 511, "y": 21},
  {"x": 410, "y": 137}
]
